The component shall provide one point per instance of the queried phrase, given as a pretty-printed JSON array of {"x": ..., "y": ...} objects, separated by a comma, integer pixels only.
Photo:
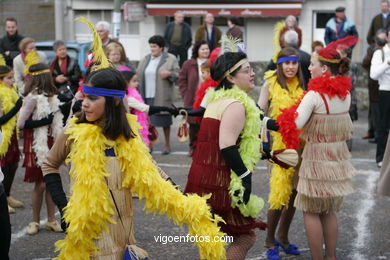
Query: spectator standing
[
  {"x": 178, "y": 36},
  {"x": 66, "y": 72},
  {"x": 380, "y": 70},
  {"x": 234, "y": 29},
  {"x": 209, "y": 32},
  {"x": 316, "y": 46},
  {"x": 291, "y": 24},
  {"x": 380, "y": 21},
  {"x": 157, "y": 72},
  {"x": 103, "y": 29},
  {"x": 189, "y": 78},
  {"x": 9, "y": 44},
  {"x": 26, "y": 45},
  {"x": 373, "y": 86},
  {"x": 339, "y": 27}
]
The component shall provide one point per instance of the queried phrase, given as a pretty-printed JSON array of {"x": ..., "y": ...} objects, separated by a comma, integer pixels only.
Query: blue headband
[
  {"x": 283, "y": 59},
  {"x": 103, "y": 91}
]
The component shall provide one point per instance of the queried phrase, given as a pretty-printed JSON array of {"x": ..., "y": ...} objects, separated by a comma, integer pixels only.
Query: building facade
[{"x": 142, "y": 19}]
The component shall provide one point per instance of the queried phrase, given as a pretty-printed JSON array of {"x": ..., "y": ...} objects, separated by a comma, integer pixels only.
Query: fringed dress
[
  {"x": 13, "y": 154},
  {"x": 325, "y": 173},
  {"x": 209, "y": 173}
]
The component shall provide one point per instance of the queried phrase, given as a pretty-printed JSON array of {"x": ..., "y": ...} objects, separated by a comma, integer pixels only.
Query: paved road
[{"x": 364, "y": 220}]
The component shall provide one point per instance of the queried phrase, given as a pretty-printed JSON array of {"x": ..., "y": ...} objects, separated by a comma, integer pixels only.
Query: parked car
[{"x": 76, "y": 50}]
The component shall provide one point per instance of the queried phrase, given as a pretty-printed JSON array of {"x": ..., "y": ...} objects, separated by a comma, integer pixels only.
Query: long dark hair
[
  {"x": 285, "y": 52},
  {"x": 42, "y": 83},
  {"x": 115, "y": 121},
  {"x": 222, "y": 64}
]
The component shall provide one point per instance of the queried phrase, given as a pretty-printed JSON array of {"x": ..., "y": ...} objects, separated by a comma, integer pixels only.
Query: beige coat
[
  {"x": 19, "y": 69},
  {"x": 164, "y": 87},
  {"x": 384, "y": 179}
]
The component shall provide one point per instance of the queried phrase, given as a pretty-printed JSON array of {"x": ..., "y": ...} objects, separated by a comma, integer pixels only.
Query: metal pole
[
  {"x": 116, "y": 19},
  {"x": 59, "y": 19}
]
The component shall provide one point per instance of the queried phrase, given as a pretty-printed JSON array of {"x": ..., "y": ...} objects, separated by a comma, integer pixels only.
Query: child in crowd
[
  {"x": 10, "y": 104},
  {"x": 41, "y": 121},
  {"x": 138, "y": 107}
]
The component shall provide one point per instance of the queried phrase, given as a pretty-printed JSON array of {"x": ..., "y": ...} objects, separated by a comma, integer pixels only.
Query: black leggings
[
  {"x": 5, "y": 225},
  {"x": 9, "y": 174}
]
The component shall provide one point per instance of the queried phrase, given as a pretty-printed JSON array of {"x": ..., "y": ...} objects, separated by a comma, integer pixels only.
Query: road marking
[
  {"x": 22, "y": 233},
  {"x": 362, "y": 215}
]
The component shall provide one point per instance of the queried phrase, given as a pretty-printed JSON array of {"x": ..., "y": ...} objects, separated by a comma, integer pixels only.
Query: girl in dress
[
  {"x": 282, "y": 88},
  {"x": 41, "y": 121},
  {"x": 323, "y": 120},
  {"x": 10, "y": 104}
]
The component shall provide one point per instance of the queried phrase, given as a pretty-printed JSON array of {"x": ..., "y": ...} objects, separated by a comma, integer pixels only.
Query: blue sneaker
[
  {"x": 291, "y": 249},
  {"x": 273, "y": 253}
]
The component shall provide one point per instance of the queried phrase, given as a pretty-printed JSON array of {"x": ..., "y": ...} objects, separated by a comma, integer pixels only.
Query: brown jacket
[
  {"x": 377, "y": 24},
  {"x": 188, "y": 83},
  {"x": 164, "y": 87},
  {"x": 200, "y": 35}
]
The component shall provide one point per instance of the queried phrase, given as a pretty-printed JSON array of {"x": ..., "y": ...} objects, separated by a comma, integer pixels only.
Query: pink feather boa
[{"x": 142, "y": 116}]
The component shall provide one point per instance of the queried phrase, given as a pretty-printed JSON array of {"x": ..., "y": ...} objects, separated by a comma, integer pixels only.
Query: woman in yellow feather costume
[
  {"x": 10, "y": 104},
  {"x": 282, "y": 89},
  {"x": 108, "y": 162}
]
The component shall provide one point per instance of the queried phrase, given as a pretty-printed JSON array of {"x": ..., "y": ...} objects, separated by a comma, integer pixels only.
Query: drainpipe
[
  {"x": 116, "y": 19},
  {"x": 59, "y": 19}
]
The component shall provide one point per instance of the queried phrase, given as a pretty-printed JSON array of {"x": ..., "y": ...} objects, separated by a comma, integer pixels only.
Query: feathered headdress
[
  {"x": 331, "y": 53},
  {"x": 32, "y": 58},
  {"x": 96, "y": 46},
  {"x": 230, "y": 44},
  {"x": 277, "y": 29}
]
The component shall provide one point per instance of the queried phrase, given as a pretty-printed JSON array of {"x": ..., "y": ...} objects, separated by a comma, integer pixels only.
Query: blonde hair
[
  {"x": 114, "y": 46},
  {"x": 23, "y": 43}
]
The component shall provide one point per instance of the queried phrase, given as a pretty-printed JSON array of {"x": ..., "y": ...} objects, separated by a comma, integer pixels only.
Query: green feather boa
[{"x": 249, "y": 148}]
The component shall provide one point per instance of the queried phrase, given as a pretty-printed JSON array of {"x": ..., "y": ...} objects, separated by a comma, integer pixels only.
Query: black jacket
[
  {"x": 186, "y": 34},
  {"x": 73, "y": 73},
  {"x": 10, "y": 43}
]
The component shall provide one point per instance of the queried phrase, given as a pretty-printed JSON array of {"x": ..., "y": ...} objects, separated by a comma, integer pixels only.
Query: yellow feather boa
[
  {"x": 281, "y": 179},
  {"x": 8, "y": 97},
  {"x": 90, "y": 207},
  {"x": 249, "y": 148}
]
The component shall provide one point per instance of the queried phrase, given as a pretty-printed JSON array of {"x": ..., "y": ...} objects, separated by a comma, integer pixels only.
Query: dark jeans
[
  {"x": 373, "y": 117},
  {"x": 384, "y": 124},
  {"x": 180, "y": 52},
  {"x": 5, "y": 225}
]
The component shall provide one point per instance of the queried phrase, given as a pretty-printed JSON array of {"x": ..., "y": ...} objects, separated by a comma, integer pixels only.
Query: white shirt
[
  {"x": 151, "y": 76},
  {"x": 380, "y": 69}
]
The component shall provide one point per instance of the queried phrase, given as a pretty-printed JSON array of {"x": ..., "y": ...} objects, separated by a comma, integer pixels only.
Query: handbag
[
  {"x": 182, "y": 130},
  {"x": 65, "y": 93},
  {"x": 153, "y": 134}
]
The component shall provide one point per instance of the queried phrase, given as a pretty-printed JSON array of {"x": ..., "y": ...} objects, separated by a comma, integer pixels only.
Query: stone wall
[{"x": 35, "y": 17}]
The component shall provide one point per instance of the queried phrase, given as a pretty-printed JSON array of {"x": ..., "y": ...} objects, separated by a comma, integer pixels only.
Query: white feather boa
[{"x": 45, "y": 106}]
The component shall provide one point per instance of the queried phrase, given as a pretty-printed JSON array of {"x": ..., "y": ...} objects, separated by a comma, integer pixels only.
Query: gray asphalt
[{"x": 364, "y": 221}]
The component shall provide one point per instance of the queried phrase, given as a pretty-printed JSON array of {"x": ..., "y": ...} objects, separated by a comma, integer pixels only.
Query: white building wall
[{"x": 259, "y": 35}]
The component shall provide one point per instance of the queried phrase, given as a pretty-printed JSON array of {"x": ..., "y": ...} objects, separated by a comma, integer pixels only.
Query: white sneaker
[{"x": 380, "y": 164}]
